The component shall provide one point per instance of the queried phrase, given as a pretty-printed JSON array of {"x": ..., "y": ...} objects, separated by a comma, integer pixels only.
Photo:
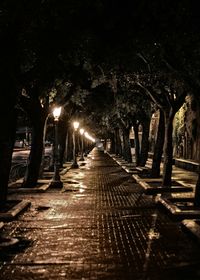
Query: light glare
[
  {"x": 56, "y": 113},
  {"x": 76, "y": 125}
]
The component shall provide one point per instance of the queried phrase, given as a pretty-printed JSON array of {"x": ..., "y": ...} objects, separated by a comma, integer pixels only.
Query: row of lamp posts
[{"x": 56, "y": 182}]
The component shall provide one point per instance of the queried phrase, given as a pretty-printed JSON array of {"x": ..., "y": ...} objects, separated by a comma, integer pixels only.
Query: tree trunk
[
  {"x": 127, "y": 145},
  {"x": 112, "y": 143},
  {"x": 62, "y": 128},
  {"x": 137, "y": 144},
  {"x": 7, "y": 140},
  {"x": 37, "y": 118},
  {"x": 69, "y": 146},
  {"x": 42, "y": 166},
  {"x": 145, "y": 141},
  {"x": 197, "y": 192},
  {"x": 158, "y": 149},
  {"x": 8, "y": 116},
  {"x": 197, "y": 187},
  {"x": 121, "y": 138},
  {"x": 118, "y": 145},
  {"x": 35, "y": 157},
  {"x": 168, "y": 149}
]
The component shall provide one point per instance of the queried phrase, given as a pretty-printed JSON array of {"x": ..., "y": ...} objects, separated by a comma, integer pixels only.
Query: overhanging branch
[{"x": 152, "y": 96}]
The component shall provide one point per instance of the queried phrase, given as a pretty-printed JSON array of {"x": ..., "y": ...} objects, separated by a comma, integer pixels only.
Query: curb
[
  {"x": 15, "y": 210},
  {"x": 128, "y": 167},
  {"x": 143, "y": 182},
  {"x": 176, "y": 211},
  {"x": 37, "y": 189},
  {"x": 192, "y": 227}
]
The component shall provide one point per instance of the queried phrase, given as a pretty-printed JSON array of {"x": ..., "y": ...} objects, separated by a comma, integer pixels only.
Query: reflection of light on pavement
[
  {"x": 152, "y": 235},
  {"x": 53, "y": 214},
  {"x": 82, "y": 187}
]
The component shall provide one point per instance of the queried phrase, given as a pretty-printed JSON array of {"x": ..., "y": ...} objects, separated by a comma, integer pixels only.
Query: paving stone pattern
[{"x": 99, "y": 226}]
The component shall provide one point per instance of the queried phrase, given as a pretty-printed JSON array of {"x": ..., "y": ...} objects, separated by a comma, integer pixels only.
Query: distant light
[
  {"x": 56, "y": 113},
  {"x": 81, "y": 131},
  {"x": 76, "y": 125}
]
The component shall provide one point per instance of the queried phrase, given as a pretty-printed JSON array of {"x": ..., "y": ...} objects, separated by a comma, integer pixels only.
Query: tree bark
[
  {"x": 137, "y": 144},
  {"x": 42, "y": 166},
  {"x": 112, "y": 143},
  {"x": 145, "y": 141},
  {"x": 197, "y": 192},
  {"x": 69, "y": 146},
  {"x": 197, "y": 187},
  {"x": 62, "y": 128},
  {"x": 35, "y": 156},
  {"x": 168, "y": 149},
  {"x": 127, "y": 145},
  {"x": 37, "y": 118},
  {"x": 118, "y": 145},
  {"x": 158, "y": 149}
]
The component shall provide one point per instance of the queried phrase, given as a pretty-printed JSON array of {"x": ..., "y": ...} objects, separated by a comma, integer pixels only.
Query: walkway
[{"x": 99, "y": 226}]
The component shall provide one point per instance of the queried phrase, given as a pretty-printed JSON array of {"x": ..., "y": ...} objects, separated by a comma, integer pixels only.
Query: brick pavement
[{"x": 99, "y": 226}]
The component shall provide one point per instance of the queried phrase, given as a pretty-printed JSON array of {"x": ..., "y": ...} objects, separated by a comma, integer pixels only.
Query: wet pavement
[{"x": 99, "y": 226}]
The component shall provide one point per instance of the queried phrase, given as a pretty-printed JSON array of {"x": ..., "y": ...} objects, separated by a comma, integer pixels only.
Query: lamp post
[
  {"x": 81, "y": 132},
  {"x": 56, "y": 183},
  {"x": 74, "y": 164}
]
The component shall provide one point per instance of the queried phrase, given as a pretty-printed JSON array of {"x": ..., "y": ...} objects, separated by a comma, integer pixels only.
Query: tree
[
  {"x": 158, "y": 149},
  {"x": 169, "y": 94},
  {"x": 37, "y": 113},
  {"x": 8, "y": 116},
  {"x": 9, "y": 93}
]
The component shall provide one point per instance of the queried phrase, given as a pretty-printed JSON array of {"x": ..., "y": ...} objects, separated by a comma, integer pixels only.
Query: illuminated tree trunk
[
  {"x": 158, "y": 149},
  {"x": 42, "y": 166},
  {"x": 145, "y": 141},
  {"x": 137, "y": 144},
  {"x": 197, "y": 192}
]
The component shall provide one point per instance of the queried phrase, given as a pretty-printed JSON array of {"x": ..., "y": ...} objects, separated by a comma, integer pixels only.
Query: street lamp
[
  {"x": 81, "y": 132},
  {"x": 56, "y": 183},
  {"x": 74, "y": 164}
]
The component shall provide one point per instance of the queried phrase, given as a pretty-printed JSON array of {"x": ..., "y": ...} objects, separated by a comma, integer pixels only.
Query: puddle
[
  {"x": 71, "y": 182},
  {"x": 69, "y": 190},
  {"x": 42, "y": 208},
  {"x": 80, "y": 195},
  {"x": 7, "y": 241}
]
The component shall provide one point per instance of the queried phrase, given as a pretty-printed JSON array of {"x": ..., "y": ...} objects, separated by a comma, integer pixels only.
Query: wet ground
[{"x": 99, "y": 226}]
